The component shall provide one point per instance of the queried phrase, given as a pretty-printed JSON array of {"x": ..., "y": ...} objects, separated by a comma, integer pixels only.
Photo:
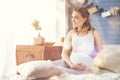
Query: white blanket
[{"x": 67, "y": 76}]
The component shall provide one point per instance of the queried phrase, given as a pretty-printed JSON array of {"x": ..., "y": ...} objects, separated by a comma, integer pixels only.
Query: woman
[{"x": 82, "y": 39}]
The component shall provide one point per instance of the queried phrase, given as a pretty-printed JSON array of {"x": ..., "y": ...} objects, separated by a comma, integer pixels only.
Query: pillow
[
  {"x": 109, "y": 59},
  {"x": 38, "y": 69}
]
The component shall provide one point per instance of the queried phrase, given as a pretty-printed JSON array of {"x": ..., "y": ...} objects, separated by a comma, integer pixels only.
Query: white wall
[
  {"x": 16, "y": 17},
  {"x": 61, "y": 19}
]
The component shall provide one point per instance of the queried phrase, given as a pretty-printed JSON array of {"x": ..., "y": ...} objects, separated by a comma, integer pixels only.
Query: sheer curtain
[{"x": 16, "y": 17}]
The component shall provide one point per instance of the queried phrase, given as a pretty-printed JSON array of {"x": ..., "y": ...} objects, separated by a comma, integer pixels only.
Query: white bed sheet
[{"x": 68, "y": 76}]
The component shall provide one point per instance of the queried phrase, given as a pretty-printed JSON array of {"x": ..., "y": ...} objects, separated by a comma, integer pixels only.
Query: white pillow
[
  {"x": 38, "y": 69},
  {"x": 109, "y": 59}
]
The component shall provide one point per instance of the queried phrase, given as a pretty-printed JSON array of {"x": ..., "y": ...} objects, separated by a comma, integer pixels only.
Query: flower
[{"x": 36, "y": 25}]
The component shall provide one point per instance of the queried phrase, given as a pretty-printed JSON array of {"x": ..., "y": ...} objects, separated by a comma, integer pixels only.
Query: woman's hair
[{"x": 85, "y": 14}]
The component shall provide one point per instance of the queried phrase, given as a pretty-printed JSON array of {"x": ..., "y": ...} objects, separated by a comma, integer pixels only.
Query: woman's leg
[
  {"x": 63, "y": 66},
  {"x": 61, "y": 63}
]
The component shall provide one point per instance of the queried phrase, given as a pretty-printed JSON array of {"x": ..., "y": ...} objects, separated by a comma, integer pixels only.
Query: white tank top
[
  {"x": 82, "y": 48},
  {"x": 84, "y": 44}
]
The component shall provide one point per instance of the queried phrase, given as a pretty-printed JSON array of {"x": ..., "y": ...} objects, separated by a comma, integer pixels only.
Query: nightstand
[{"x": 25, "y": 53}]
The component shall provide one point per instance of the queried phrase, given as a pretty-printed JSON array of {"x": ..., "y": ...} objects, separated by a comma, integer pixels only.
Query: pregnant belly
[{"x": 81, "y": 58}]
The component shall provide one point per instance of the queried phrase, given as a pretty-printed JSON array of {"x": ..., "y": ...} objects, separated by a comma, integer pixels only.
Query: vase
[{"x": 39, "y": 40}]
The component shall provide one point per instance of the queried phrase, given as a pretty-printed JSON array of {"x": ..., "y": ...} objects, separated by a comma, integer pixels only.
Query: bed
[{"x": 105, "y": 67}]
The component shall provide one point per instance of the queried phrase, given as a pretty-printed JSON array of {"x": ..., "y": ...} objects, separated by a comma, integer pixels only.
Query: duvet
[{"x": 67, "y": 76}]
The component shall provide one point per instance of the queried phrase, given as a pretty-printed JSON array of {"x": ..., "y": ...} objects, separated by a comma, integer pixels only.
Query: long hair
[{"x": 85, "y": 14}]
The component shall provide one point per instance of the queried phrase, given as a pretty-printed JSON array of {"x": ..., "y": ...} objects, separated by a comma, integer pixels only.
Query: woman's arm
[
  {"x": 65, "y": 57},
  {"x": 98, "y": 40},
  {"x": 67, "y": 49}
]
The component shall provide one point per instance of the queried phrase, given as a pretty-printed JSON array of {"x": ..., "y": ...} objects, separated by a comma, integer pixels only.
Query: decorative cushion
[
  {"x": 38, "y": 69},
  {"x": 109, "y": 59}
]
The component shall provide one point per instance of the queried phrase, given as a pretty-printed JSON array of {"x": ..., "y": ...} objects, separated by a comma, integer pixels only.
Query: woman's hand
[
  {"x": 78, "y": 66},
  {"x": 87, "y": 70}
]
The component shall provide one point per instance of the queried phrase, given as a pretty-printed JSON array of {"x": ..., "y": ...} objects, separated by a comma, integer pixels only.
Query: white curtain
[{"x": 16, "y": 17}]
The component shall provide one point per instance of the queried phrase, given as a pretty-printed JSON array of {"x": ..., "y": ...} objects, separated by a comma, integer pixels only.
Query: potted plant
[{"x": 39, "y": 39}]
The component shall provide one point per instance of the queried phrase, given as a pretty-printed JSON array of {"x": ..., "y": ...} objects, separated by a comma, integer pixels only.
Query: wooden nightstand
[{"x": 25, "y": 53}]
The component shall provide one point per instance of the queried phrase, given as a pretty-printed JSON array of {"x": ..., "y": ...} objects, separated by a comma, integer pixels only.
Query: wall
[
  {"x": 109, "y": 27},
  {"x": 61, "y": 19},
  {"x": 16, "y": 17}
]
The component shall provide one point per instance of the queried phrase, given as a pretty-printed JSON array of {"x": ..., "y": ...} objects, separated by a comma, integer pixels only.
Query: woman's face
[{"x": 77, "y": 20}]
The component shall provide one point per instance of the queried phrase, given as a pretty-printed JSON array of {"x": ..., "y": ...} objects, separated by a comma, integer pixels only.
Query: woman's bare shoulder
[
  {"x": 96, "y": 32},
  {"x": 97, "y": 35},
  {"x": 71, "y": 32}
]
